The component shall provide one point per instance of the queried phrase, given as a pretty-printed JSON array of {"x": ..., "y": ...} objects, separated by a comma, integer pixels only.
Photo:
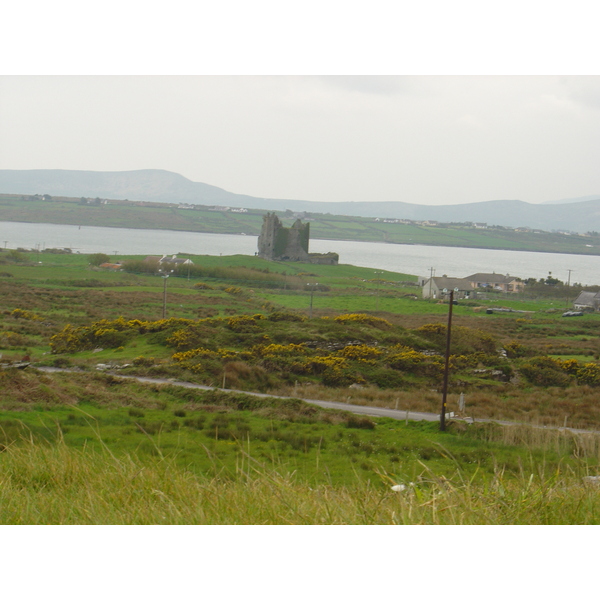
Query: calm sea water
[{"x": 414, "y": 260}]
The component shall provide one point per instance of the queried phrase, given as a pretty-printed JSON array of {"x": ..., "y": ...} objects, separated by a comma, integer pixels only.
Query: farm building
[
  {"x": 587, "y": 301},
  {"x": 439, "y": 287},
  {"x": 494, "y": 281}
]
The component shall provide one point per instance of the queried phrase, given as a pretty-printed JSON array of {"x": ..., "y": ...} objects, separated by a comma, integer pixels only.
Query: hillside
[{"x": 153, "y": 185}]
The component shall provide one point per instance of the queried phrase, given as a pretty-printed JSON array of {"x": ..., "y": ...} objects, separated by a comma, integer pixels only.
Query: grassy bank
[
  {"x": 60, "y": 485},
  {"x": 81, "y": 449}
]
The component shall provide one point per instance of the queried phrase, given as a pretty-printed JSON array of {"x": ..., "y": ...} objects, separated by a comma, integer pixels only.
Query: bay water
[{"x": 400, "y": 258}]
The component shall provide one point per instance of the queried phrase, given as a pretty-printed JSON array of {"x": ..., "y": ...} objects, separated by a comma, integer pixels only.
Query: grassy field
[
  {"x": 89, "y": 447},
  {"x": 92, "y": 450}
]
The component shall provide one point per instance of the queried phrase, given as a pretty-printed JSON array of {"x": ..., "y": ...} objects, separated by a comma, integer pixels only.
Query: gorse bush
[
  {"x": 464, "y": 340},
  {"x": 10, "y": 339},
  {"x": 19, "y": 313},
  {"x": 114, "y": 333},
  {"x": 242, "y": 324},
  {"x": 546, "y": 371},
  {"x": 589, "y": 374},
  {"x": 286, "y": 316},
  {"x": 335, "y": 352},
  {"x": 204, "y": 346},
  {"x": 361, "y": 352},
  {"x": 361, "y": 318}
]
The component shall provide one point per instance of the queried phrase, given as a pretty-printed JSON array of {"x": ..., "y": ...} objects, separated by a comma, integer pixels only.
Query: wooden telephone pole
[{"x": 446, "y": 364}]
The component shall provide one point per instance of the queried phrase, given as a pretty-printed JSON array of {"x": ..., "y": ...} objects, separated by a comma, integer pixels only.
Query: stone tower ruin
[{"x": 277, "y": 242}]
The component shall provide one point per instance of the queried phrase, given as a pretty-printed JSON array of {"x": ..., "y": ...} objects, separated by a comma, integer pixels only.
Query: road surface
[{"x": 359, "y": 409}]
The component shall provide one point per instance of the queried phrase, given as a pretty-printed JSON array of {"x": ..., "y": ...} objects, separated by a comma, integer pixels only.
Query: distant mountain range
[
  {"x": 154, "y": 185},
  {"x": 571, "y": 200}
]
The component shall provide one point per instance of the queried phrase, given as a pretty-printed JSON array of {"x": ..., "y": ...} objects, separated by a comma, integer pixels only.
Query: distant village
[{"x": 474, "y": 225}]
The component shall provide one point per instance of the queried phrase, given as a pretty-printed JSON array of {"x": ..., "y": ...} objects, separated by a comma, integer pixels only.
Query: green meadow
[{"x": 88, "y": 446}]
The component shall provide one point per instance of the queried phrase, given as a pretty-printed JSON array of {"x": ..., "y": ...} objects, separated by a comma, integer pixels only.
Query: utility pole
[
  {"x": 378, "y": 286},
  {"x": 165, "y": 276},
  {"x": 164, "y": 313},
  {"x": 430, "y": 280},
  {"x": 312, "y": 287},
  {"x": 446, "y": 364},
  {"x": 568, "y": 285}
]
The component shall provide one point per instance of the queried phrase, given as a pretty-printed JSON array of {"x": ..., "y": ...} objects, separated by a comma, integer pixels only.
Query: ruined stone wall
[{"x": 277, "y": 242}]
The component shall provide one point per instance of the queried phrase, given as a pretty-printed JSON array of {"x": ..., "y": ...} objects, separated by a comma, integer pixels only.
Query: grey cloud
[
  {"x": 374, "y": 84},
  {"x": 583, "y": 90}
]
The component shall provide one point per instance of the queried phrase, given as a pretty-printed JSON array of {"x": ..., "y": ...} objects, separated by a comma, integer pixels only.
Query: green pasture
[
  {"x": 214, "y": 433},
  {"x": 88, "y": 447}
]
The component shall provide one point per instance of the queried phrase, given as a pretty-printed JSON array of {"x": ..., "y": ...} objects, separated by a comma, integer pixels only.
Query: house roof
[
  {"x": 175, "y": 261},
  {"x": 490, "y": 278},
  {"x": 450, "y": 283},
  {"x": 587, "y": 298},
  {"x": 168, "y": 259}
]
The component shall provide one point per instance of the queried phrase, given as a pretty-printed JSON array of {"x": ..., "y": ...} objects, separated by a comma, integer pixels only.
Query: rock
[{"x": 592, "y": 480}]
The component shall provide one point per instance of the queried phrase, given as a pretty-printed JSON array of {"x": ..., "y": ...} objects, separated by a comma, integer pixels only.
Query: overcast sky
[{"x": 419, "y": 138}]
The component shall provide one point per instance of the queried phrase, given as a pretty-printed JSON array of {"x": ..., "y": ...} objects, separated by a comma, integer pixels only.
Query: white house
[{"x": 440, "y": 287}]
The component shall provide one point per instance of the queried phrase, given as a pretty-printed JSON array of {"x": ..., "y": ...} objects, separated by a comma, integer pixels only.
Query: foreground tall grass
[{"x": 61, "y": 485}]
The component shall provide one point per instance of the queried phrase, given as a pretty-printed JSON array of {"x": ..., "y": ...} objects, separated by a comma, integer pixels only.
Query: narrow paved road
[{"x": 359, "y": 409}]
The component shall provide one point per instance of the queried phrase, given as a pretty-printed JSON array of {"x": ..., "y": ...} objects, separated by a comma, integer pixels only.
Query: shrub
[
  {"x": 98, "y": 259},
  {"x": 405, "y": 359},
  {"x": 235, "y": 291},
  {"x": 356, "y": 422},
  {"x": 61, "y": 362},
  {"x": 242, "y": 324},
  {"x": 110, "y": 338},
  {"x": 545, "y": 371},
  {"x": 465, "y": 340},
  {"x": 188, "y": 338},
  {"x": 195, "y": 353},
  {"x": 364, "y": 319},
  {"x": 361, "y": 352},
  {"x": 385, "y": 378},
  {"x": 12, "y": 339},
  {"x": 280, "y": 350},
  {"x": 589, "y": 374},
  {"x": 143, "y": 361},
  {"x": 19, "y": 313},
  {"x": 286, "y": 316},
  {"x": 15, "y": 256},
  {"x": 514, "y": 349}
]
